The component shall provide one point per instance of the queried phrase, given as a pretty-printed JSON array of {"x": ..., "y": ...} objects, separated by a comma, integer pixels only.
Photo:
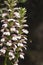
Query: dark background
[{"x": 34, "y": 53}]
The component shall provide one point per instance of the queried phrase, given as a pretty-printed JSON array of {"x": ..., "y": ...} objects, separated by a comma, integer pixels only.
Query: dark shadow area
[{"x": 34, "y": 54}]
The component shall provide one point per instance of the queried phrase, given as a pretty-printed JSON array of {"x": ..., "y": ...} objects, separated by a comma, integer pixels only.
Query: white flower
[
  {"x": 17, "y": 31},
  {"x": 11, "y": 20},
  {"x": 12, "y": 29},
  {"x": 2, "y": 20},
  {"x": 11, "y": 55},
  {"x": 14, "y": 38},
  {"x": 20, "y": 44},
  {"x": 25, "y": 25},
  {"x": 4, "y": 14},
  {"x": 17, "y": 14},
  {"x": 25, "y": 31},
  {"x": 3, "y": 40},
  {"x": 2, "y": 30},
  {"x": 6, "y": 33},
  {"x": 3, "y": 51},
  {"x": 25, "y": 38},
  {"x": 23, "y": 41},
  {"x": 1, "y": 44},
  {"x": 4, "y": 25},
  {"x": 9, "y": 44},
  {"x": 24, "y": 21},
  {"x": 21, "y": 56},
  {"x": 15, "y": 63},
  {"x": 9, "y": 10},
  {"x": 15, "y": 47},
  {"x": 18, "y": 37},
  {"x": 18, "y": 25}
]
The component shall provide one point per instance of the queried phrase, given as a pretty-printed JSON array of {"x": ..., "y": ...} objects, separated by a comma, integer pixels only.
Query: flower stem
[{"x": 5, "y": 62}]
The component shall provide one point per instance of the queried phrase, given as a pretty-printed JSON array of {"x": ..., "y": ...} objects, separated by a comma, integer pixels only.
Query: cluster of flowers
[{"x": 13, "y": 34}]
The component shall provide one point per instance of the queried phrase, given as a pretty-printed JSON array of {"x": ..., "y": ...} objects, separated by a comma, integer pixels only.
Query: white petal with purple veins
[
  {"x": 4, "y": 14},
  {"x": 25, "y": 31},
  {"x": 11, "y": 20},
  {"x": 4, "y": 25},
  {"x": 6, "y": 33},
  {"x": 20, "y": 44},
  {"x": 9, "y": 44},
  {"x": 17, "y": 14},
  {"x": 21, "y": 56},
  {"x": 3, "y": 51}
]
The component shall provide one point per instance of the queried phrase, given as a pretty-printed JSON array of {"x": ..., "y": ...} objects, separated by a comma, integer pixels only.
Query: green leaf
[
  {"x": 22, "y": 1},
  {"x": 22, "y": 12}
]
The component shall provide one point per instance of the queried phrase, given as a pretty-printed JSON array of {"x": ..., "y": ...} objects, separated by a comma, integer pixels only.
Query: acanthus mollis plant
[{"x": 14, "y": 32}]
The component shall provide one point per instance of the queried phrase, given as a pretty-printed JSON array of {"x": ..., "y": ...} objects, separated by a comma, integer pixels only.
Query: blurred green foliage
[{"x": 22, "y": 1}]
